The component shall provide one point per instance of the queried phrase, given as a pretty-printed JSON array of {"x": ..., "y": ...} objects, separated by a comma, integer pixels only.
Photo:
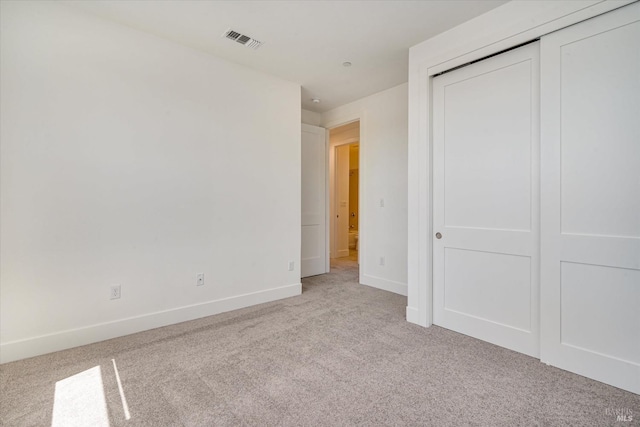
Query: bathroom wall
[
  {"x": 338, "y": 137},
  {"x": 354, "y": 173}
]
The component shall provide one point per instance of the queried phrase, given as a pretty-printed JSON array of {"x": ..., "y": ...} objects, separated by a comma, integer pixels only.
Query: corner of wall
[{"x": 311, "y": 117}]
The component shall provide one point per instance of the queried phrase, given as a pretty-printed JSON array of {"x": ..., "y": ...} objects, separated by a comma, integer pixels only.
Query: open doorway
[{"x": 344, "y": 197}]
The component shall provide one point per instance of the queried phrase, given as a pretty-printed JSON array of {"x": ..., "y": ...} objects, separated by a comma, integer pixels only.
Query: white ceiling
[{"x": 304, "y": 41}]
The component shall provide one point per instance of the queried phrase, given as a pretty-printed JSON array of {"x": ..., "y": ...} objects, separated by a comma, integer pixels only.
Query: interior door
[
  {"x": 314, "y": 257},
  {"x": 590, "y": 87},
  {"x": 342, "y": 201},
  {"x": 486, "y": 200}
]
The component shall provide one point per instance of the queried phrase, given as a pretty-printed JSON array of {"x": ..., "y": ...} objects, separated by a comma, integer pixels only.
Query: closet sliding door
[
  {"x": 590, "y": 198},
  {"x": 486, "y": 200}
]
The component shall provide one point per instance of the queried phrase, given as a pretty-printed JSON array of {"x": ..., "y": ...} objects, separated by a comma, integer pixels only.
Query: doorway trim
[
  {"x": 512, "y": 24},
  {"x": 362, "y": 182}
]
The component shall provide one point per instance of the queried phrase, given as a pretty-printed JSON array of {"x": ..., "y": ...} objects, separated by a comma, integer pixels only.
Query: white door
[
  {"x": 314, "y": 257},
  {"x": 590, "y": 267},
  {"x": 486, "y": 200},
  {"x": 342, "y": 200}
]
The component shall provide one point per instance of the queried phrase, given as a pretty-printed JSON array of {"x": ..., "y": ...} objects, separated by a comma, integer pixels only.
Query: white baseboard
[
  {"x": 384, "y": 284},
  {"x": 413, "y": 316},
  {"x": 21, "y": 349},
  {"x": 343, "y": 253}
]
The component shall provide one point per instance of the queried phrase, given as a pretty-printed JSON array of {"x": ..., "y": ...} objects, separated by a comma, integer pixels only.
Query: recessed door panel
[
  {"x": 588, "y": 298},
  {"x": 600, "y": 134},
  {"x": 488, "y": 138},
  {"x": 473, "y": 279}
]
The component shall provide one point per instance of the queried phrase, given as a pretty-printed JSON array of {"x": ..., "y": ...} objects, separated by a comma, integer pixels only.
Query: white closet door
[
  {"x": 590, "y": 267},
  {"x": 314, "y": 258},
  {"x": 486, "y": 200}
]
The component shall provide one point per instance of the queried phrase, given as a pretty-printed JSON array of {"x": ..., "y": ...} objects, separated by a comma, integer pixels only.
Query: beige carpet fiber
[{"x": 340, "y": 354}]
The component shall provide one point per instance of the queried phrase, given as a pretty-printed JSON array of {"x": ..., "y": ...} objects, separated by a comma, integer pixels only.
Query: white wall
[
  {"x": 127, "y": 159},
  {"x": 311, "y": 118},
  {"x": 383, "y": 175}
]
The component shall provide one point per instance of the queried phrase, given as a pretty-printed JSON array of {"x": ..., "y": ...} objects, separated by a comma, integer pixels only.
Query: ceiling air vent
[{"x": 242, "y": 39}]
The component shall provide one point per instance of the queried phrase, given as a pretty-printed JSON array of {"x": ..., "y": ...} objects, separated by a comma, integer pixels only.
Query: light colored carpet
[{"x": 340, "y": 354}]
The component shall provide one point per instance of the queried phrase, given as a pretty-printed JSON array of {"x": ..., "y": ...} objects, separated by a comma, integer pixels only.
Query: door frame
[
  {"x": 362, "y": 180},
  {"x": 510, "y": 25}
]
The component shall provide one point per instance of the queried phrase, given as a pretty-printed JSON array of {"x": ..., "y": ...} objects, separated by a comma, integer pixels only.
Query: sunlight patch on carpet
[
  {"x": 125, "y": 406},
  {"x": 79, "y": 401}
]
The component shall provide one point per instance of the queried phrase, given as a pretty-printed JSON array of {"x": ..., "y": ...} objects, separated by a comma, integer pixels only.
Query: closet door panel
[
  {"x": 486, "y": 200},
  {"x": 590, "y": 212}
]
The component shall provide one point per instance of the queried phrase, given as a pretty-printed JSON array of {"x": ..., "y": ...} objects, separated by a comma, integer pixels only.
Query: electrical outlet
[
  {"x": 115, "y": 292},
  {"x": 292, "y": 265},
  {"x": 200, "y": 279},
  {"x": 381, "y": 260}
]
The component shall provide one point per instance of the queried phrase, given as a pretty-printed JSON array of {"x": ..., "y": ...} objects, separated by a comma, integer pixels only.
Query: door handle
[{"x": 438, "y": 236}]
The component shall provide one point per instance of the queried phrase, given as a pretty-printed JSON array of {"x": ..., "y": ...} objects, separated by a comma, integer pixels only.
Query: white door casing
[
  {"x": 590, "y": 266},
  {"x": 486, "y": 200},
  {"x": 314, "y": 258}
]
